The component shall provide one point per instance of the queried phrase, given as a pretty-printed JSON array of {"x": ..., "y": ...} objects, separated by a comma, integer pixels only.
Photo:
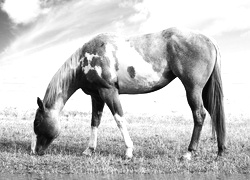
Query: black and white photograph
[{"x": 124, "y": 89}]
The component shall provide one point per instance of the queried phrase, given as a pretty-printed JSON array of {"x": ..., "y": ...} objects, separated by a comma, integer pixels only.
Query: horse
[{"x": 109, "y": 65}]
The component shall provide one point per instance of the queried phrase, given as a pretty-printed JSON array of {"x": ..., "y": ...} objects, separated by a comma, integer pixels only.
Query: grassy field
[{"x": 159, "y": 141}]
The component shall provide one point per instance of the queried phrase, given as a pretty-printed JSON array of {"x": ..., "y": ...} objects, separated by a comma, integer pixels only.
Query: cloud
[
  {"x": 246, "y": 34},
  {"x": 213, "y": 17},
  {"x": 62, "y": 24},
  {"x": 141, "y": 15},
  {"x": 22, "y": 11},
  {"x": 233, "y": 18}
]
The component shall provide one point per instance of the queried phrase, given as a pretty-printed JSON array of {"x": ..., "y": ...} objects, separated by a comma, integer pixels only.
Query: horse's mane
[{"x": 62, "y": 79}]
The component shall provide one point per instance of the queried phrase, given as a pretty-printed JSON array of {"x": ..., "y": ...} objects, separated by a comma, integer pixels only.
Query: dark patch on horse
[
  {"x": 96, "y": 45},
  {"x": 95, "y": 62},
  {"x": 85, "y": 62},
  {"x": 168, "y": 33},
  {"x": 170, "y": 51},
  {"x": 169, "y": 75},
  {"x": 102, "y": 44},
  {"x": 95, "y": 79},
  {"x": 117, "y": 85},
  {"x": 131, "y": 71}
]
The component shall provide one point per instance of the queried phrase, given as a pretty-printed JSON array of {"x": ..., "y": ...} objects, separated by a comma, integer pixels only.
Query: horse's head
[{"x": 46, "y": 128}]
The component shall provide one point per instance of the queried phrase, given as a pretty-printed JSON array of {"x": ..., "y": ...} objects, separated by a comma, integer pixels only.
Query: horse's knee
[
  {"x": 95, "y": 122},
  {"x": 199, "y": 116},
  {"x": 120, "y": 121}
]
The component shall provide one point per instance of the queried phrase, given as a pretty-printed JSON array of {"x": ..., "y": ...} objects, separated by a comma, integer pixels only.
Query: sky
[{"x": 37, "y": 36}]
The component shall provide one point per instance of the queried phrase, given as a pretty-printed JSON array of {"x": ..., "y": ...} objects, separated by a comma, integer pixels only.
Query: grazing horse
[{"x": 109, "y": 65}]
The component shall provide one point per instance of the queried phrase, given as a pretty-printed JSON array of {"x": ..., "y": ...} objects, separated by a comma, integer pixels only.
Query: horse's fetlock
[{"x": 89, "y": 151}]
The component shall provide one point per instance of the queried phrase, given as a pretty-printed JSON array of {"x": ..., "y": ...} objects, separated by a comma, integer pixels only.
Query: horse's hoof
[
  {"x": 221, "y": 154},
  {"x": 187, "y": 156},
  {"x": 89, "y": 151},
  {"x": 128, "y": 157},
  {"x": 33, "y": 153},
  {"x": 40, "y": 153},
  {"x": 129, "y": 153}
]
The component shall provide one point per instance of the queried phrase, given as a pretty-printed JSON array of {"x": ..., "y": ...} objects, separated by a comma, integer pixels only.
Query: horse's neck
[
  {"x": 63, "y": 85},
  {"x": 61, "y": 96}
]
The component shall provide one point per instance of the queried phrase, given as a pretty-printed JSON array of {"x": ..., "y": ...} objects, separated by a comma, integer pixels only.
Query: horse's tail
[{"x": 212, "y": 96}]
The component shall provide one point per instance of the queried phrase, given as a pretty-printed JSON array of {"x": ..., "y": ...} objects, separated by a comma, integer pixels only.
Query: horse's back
[{"x": 149, "y": 62}]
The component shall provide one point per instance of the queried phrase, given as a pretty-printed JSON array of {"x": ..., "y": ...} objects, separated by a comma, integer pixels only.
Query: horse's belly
[
  {"x": 132, "y": 81},
  {"x": 138, "y": 87}
]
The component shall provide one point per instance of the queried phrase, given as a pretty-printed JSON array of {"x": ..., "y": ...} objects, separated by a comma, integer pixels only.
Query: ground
[{"x": 159, "y": 141}]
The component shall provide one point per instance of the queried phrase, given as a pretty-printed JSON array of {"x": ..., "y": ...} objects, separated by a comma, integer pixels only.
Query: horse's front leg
[
  {"x": 97, "y": 109},
  {"x": 111, "y": 98}
]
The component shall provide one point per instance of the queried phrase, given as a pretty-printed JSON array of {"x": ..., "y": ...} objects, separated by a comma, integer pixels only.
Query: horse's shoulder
[{"x": 97, "y": 44}]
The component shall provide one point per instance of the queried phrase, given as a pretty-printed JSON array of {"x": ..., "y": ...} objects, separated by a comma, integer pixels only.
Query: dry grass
[{"x": 159, "y": 141}]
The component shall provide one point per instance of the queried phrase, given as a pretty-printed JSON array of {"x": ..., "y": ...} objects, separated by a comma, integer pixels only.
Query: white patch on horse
[
  {"x": 33, "y": 143},
  {"x": 109, "y": 53},
  {"x": 93, "y": 137},
  {"x": 187, "y": 156},
  {"x": 98, "y": 69},
  {"x": 128, "y": 56},
  {"x": 86, "y": 69},
  {"x": 122, "y": 125}
]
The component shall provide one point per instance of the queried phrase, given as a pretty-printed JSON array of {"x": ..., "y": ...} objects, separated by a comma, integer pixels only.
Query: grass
[{"x": 159, "y": 141}]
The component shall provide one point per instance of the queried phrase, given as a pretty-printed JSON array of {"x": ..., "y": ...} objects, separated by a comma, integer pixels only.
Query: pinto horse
[{"x": 109, "y": 65}]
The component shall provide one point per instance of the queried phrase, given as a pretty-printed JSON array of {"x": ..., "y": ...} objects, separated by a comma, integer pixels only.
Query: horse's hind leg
[
  {"x": 111, "y": 98},
  {"x": 194, "y": 97},
  {"x": 97, "y": 109}
]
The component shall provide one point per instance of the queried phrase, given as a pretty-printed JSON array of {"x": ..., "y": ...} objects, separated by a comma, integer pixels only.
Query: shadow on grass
[
  {"x": 14, "y": 146},
  {"x": 24, "y": 147},
  {"x": 57, "y": 149},
  {"x": 149, "y": 149}
]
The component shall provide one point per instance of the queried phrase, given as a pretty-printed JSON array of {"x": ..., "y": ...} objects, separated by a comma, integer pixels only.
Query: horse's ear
[{"x": 40, "y": 104}]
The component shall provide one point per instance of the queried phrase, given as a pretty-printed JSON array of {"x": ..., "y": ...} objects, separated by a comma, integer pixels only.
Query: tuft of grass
[{"x": 159, "y": 143}]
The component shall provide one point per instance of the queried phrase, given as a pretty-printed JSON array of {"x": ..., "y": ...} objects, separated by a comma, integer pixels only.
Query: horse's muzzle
[{"x": 35, "y": 148}]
